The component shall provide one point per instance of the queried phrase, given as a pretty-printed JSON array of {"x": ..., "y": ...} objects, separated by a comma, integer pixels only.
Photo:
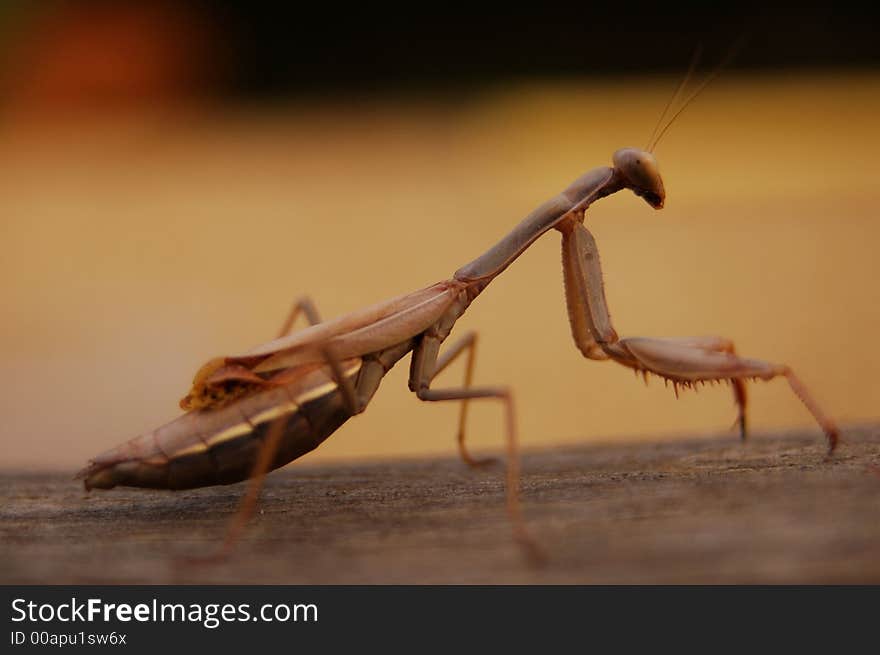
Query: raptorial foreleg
[{"x": 684, "y": 361}]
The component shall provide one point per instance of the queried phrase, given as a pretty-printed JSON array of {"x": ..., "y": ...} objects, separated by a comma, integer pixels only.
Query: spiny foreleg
[{"x": 684, "y": 361}]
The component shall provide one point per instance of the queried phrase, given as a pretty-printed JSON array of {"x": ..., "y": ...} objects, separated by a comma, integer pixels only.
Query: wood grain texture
[{"x": 702, "y": 510}]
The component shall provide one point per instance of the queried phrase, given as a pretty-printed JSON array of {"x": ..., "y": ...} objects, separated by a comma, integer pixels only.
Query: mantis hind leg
[
  {"x": 302, "y": 305},
  {"x": 272, "y": 442}
]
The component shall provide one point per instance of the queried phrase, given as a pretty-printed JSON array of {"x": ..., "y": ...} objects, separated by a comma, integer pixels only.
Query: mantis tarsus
[{"x": 257, "y": 411}]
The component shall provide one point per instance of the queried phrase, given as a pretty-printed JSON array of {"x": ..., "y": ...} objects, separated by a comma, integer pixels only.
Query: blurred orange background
[{"x": 144, "y": 237}]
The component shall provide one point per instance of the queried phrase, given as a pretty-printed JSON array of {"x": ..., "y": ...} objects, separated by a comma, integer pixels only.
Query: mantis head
[{"x": 640, "y": 174}]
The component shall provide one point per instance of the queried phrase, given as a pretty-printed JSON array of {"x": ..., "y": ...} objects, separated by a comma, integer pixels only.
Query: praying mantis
[{"x": 249, "y": 413}]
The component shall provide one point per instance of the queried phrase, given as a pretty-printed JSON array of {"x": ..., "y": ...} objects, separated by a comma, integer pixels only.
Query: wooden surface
[{"x": 695, "y": 511}]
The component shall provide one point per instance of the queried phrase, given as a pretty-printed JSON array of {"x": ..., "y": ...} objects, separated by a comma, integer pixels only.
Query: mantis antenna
[
  {"x": 734, "y": 50},
  {"x": 695, "y": 59}
]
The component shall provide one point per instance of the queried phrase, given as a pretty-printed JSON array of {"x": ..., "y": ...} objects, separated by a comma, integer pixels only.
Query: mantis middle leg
[
  {"x": 683, "y": 361},
  {"x": 425, "y": 367},
  {"x": 467, "y": 343}
]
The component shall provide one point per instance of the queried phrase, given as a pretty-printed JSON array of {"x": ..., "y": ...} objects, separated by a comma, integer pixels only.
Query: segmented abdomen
[{"x": 220, "y": 446}]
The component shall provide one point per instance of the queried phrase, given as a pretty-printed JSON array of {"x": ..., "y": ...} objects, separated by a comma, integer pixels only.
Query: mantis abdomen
[{"x": 220, "y": 446}]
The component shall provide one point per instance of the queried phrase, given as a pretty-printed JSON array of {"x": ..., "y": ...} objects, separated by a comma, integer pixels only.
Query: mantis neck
[{"x": 579, "y": 195}]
